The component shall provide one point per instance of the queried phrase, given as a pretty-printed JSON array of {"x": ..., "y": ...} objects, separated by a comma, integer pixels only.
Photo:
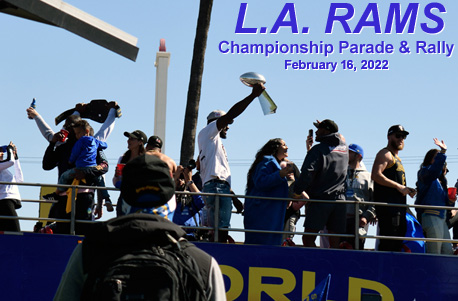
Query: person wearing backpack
[{"x": 141, "y": 256}]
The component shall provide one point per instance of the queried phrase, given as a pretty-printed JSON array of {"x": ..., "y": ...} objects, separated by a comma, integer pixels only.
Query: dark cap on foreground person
[
  {"x": 397, "y": 129},
  {"x": 146, "y": 182},
  {"x": 327, "y": 124},
  {"x": 137, "y": 134},
  {"x": 356, "y": 149},
  {"x": 155, "y": 141}
]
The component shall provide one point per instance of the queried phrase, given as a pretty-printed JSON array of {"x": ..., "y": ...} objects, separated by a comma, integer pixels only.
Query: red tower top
[{"x": 162, "y": 45}]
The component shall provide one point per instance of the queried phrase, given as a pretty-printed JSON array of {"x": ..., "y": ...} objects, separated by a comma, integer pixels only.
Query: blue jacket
[
  {"x": 184, "y": 214},
  {"x": 266, "y": 214},
  {"x": 430, "y": 190},
  {"x": 84, "y": 152}
]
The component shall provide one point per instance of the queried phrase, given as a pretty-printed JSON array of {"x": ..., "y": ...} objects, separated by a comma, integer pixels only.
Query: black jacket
[{"x": 325, "y": 169}]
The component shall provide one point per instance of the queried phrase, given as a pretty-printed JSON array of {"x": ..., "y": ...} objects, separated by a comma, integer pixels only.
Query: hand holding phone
[{"x": 309, "y": 140}]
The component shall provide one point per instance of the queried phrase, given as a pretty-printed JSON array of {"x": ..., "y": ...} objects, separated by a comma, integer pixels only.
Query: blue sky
[{"x": 61, "y": 69}]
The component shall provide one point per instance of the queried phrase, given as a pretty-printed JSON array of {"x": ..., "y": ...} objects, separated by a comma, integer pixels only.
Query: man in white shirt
[{"x": 214, "y": 166}]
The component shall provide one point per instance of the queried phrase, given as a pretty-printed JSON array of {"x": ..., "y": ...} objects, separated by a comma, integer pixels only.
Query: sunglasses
[{"x": 401, "y": 136}]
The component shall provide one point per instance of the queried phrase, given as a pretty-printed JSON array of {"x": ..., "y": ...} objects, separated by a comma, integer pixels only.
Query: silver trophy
[{"x": 267, "y": 104}]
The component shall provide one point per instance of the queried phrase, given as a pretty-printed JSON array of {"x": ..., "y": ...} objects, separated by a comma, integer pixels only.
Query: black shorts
[
  {"x": 331, "y": 215},
  {"x": 7, "y": 208}
]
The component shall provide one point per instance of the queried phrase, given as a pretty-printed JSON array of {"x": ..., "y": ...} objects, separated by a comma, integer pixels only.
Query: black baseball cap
[
  {"x": 155, "y": 141},
  {"x": 397, "y": 129},
  {"x": 327, "y": 124},
  {"x": 137, "y": 134},
  {"x": 146, "y": 182}
]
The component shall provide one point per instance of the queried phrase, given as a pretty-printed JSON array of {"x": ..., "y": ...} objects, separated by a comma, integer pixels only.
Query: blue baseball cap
[{"x": 357, "y": 149}]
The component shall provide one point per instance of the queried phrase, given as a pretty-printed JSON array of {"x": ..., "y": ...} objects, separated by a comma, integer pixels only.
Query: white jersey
[{"x": 212, "y": 155}]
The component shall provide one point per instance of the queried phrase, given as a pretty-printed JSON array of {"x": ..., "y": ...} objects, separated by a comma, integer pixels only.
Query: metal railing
[
  {"x": 355, "y": 235},
  {"x": 73, "y": 188},
  {"x": 216, "y": 227}
]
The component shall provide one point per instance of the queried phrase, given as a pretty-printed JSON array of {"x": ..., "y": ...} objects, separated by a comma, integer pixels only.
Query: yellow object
[
  {"x": 68, "y": 209},
  {"x": 44, "y": 208}
]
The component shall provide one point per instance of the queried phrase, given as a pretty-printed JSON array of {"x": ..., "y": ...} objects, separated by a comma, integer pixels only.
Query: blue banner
[{"x": 32, "y": 265}]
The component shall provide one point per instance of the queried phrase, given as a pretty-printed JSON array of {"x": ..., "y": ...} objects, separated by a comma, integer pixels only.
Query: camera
[{"x": 191, "y": 164}]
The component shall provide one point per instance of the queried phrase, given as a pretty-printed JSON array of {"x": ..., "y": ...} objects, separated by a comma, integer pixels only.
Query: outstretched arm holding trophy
[
  {"x": 239, "y": 107},
  {"x": 267, "y": 104}
]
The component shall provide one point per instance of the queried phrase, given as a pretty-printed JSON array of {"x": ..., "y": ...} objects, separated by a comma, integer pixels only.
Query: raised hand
[{"x": 441, "y": 144}]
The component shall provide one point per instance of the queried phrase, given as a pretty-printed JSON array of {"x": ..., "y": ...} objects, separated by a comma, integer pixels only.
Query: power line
[{"x": 406, "y": 160}]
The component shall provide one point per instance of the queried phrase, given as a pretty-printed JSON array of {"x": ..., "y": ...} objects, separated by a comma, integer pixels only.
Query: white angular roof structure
[{"x": 66, "y": 16}]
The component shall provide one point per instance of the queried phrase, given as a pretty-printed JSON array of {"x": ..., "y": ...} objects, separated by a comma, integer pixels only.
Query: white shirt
[
  {"x": 10, "y": 191},
  {"x": 212, "y": 155}
]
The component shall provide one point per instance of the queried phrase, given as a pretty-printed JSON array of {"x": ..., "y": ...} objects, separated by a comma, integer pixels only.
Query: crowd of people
[{"x": 332, "y": 170}]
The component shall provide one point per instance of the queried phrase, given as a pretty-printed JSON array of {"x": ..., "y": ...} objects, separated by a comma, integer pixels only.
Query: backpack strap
[{"x": 202, "y": 259}]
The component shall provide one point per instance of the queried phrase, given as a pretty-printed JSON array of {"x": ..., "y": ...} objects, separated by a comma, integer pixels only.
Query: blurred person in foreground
[
  {"x": 153, "y": 148},
  {"x": 146, "y": 185}
]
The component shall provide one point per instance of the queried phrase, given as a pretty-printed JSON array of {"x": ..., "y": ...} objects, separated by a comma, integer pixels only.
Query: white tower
[{"x": 162, "y": 65}]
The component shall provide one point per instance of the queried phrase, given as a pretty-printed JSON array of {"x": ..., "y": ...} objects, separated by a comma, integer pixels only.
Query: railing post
[
  {"x": 357, "y": 225},
  {"x": 73, "y": 213},
  {"x": 216, "y": 219}
]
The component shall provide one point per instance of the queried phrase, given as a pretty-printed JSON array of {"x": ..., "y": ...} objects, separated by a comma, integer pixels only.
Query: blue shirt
[
  {"x": 84, "y": 152},
  {"x": 430, "y": 190}
]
